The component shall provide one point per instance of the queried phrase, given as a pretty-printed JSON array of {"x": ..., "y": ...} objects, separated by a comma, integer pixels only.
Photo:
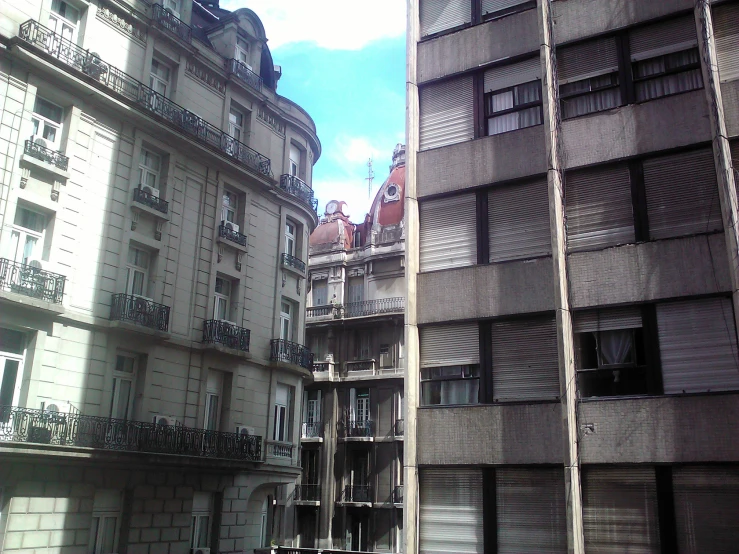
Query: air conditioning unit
[
  {"x": 40, "y": 141},
  {"x": 230, "y": 225},
  {"x": 242, "y": 430},
  {"x": 58, "y": 407},
  {"x": 201, "y": 551},
  {"x": 151, "y": 190},
  {"x": 35, "y": 263},
  {"x": 165, "y": 421}
]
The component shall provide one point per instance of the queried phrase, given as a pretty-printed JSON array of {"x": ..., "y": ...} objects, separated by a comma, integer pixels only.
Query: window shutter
[
  {"x": 445, "y": 345},
  {"x": 511, "y": 75},
  {"x": 446, "y": 113},
  {"x": 697, "y": 342},
  {"x": 726, "y": 31},
  {"x": 663, "y": 38},
  {"x": 450, "y": 514},
  {"x": 525, "y": 360},
  {"x": 492, "y": 6},
  {"x": 682, "y": 194},
  {"x": 706, "y": 508},
  {"x": 519, "y": 222},
  {"x": 530, "y": 509},
  {"x": 440, "y": 15},
  {"x": 598, "y": 207},
  {"x": 607, "y": 320},
  {"x": 588, "y": 59},
  {"x": 448, "y": 233},
  {"x": 620, "y": 510}
]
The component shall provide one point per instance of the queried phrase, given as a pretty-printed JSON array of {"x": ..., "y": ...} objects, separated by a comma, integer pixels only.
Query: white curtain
[
  {"x": 616, "y": 346},
  {"x": 589, "y": 103},
  {"x": 669, "y": 84},
  {"x": 460, "y": 392}
]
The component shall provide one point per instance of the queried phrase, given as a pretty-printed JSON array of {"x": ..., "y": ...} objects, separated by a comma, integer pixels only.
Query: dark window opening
[
  {"x": 450, "y": 385},
  {"x": 611, "y": 363}
]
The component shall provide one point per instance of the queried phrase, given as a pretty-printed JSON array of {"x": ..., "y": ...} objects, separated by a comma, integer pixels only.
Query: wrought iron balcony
[
  {"x": 294, "y": 262},
  {"x": 139, "y": 310},
  {"x": 142, "y": 97},
  {"x": 375, "y": 307},
  {"x": 47, "y": 155},
  {"x": 358, "y": 428},
  {"x": 216, "y": 331},
  {"x": 168, "y": 21},
  {"x": 399, "y": 427},
  {"x": 232, "y": 235},
  {"x": 297, "y": 187},
  {"x": 146, "y": 198},
  {"x": 398, "y": 494},
  {"x": 235, "y": 67},
  {"x": 31, "y": 281},
  {"x": 357, "y": 493},
  {"x": 323, "y": 311},
  {"x": 280, "y": 450},
  {"x": 290, "y": 352},
  {"x": 312, "y": 430},
  {"x": 308, "y": 493}
]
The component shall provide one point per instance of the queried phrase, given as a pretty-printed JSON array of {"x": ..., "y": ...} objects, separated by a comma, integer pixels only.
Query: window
[
  {"x": 64, "y": 19},
  {"x": 124, "y": 374},
  {"x": 213, "y": 395},
  {"x": 594, "y": 94},
  {"x": 222, "y": 304},
  {"x": 173, "y": 6},
  {"x": 47, "y": 123},
  {"x": 236, "y": 125},
  {"x": 440, "y": 16},
  {"x": 320, "y": 292},
  {"x": 202, "y": 504},
  {"x": 159, "y": 78},
  {"x": 286, "y": 330},
  {"x": 283, "y": 397},
  {"x": 355, "y": 289},
  {"x": 362, "y": 344},
  {"x": 294, "y": 161},
  {"x": 137, "y": 271},
  {"x": 667, "y": 74},
  {"x": 289, "y": 238},
  {"x": 230, "y": 206},
  {"x": 357, "y": 239},
  {"x": 312, "y": 413},
  {"x": 450, "y": 385},
  {"x": 12, "y": 345},
  {"x": 448, "y": 233},
  {"x": 149, "y": 169},
  {"x": 360, "y": 405},
  {"x": 450, "y": 364},
  {"x": 26, "y": 236},
  {"x": 242, "y": 51},
  {"x": 514, "y": 108},
  {"x": 104, "y": 528}
]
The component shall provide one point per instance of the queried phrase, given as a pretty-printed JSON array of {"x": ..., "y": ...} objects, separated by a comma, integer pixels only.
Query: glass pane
[
  {"x": 108, "y": 542},
  {"x": 124, "y": 364},
  {"x": 48, "y": 110},
  {"x": 29, "y": 220},
  {"x": 28, "y": 248},
  {"x": 7, "y": 384},
  {"x": 221, "y": 308},
  {"x": 211, "y": 416},
  {"x": 203, "y": 524},
  {"x": 49, "y": 133},
  {"x": 11, "y": 341},
  {"x": 289, "y": 246},
  {"x": 503, "y": 123},
  {"x": 94, "y": 535},
  {"x": 502, "y": 101},
  {"x": 137, "y": 285},
  {"x": 285, "y": 328},
  {"x": 123, "y": 399}
]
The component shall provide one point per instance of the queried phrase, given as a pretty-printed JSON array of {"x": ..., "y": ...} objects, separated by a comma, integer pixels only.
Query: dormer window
[{"x": 242, "y": 52}]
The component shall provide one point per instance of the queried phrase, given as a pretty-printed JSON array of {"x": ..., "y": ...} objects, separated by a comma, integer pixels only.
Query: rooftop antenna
[{"x": 370, "y": 177}]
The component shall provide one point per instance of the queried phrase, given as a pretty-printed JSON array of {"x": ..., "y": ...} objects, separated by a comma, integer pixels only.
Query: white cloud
[
  {"x": 331, "y": 24},
  {"x": 350, "y": 191}
]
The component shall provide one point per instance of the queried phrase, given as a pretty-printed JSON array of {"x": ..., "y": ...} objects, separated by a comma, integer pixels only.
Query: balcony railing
[
  {"x": 73, "y": 429},
  {"x": 399, "y": 427},
  {"x": 357, "y": 493},
  {"x": 398, "y": 494},
  {"x": 374, "y": 307},
  {"x": 321, "y": 366},
  {"x": 312, "y": 430},
  {"x": 297, "y": 187},
  {"x": 360, "y": 365},
  {"x": 168, "y": 21},
  {"x": 322, "y": 311},
  {"x": 31, "y": 281},
  {"x": 358, "y": 428},
  {"x": 139, "y": 310},
  {"x": 235, "y": 67},
  {"x": 229, "y": 234},
  {"x": 147, "y": 199},
  {"x": 310, "y": 493},
  {"x": 47, "y": 155},
  {"x": 141, "y": 96},
  {"x": 216, "y": 331},
  {"x": 280, "y": 450},
  {"x": 290, "y": 352},
  {"x": 294, "y": 262}
]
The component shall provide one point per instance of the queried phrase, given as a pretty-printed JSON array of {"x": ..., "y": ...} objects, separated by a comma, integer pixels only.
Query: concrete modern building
[
  {"x": 155, "y": 209},
  {"x": 350, "y": 492},
  {"x": 571, "y": 209}
]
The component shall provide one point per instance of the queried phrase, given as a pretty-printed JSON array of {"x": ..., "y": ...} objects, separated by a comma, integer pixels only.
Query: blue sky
[{"x": 344, "y": 62}]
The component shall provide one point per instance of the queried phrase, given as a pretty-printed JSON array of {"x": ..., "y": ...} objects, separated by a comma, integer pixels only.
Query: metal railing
[
  {"x": 31, "y": 281},
  {"x": 246, "y": 75},
  {"x": 216, "y": 331},
  {"x": 357, "y": 493},
  {"x": 320, "y": 366},
  {"x": 230, "y": 234},
  {"x": 399, "y": 428},
  {"x": 47, "y": 155},
  {"x": 398, "y": 494},
  {"x": 322, "y": 311},
  {"x": 168, "y": 21},
  {"x": 298, "y": 188},
  {"x": 141, "y": 96},
  {"x": 312, "y": 430},
  {"x": 67, "y": 429},
  {"x": 358, "y": 428},
  {"x": 373, "y": 307},
  {"x": 144, "y": 197},
  {"x": 139, "y": 310},
  {"x": 294, "y": 262},
  {"x": 280, "y": 450},
  {"x": 310, "y": 493},
  {"x": 360, "y": 365},
  {"x": 291, "y": 352}
]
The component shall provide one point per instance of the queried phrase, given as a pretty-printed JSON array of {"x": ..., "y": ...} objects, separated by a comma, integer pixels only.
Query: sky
[{"x": 343, "y": 61}]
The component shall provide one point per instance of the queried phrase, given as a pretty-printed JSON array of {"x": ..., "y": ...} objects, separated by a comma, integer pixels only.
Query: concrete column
[
  {"x": 412, "y": 358},
  {"x": 567, "y": 375},
  {"x": 721, "y": 153}
]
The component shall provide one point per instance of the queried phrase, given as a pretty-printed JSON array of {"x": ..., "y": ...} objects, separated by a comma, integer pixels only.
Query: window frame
[
  {"x": 290, "y": 238},
  {"x": 56, "y": 18},
  {"x": 156, "y": 79},
  {"x": 236, "y": 128},
  {"x": 198, "y": 515},
  {"x": 241, "y": 52},
  {"x": 666, "y": 73},
  {"x": 478, "y": 18},
  {"x": 221, "y": 298},
  {"x": 42, "y": 122},
  {"x": 10, "y": 356},
  {"x": 146, "y": 170},
  {"x": 227, "y": 208},
  {"x": 132, "y": 267},
  {"x": 286, "y": 320},
  {"x": 447, "y": 378},
  {"x": 119, "y": 376},
  {"x": 487, "y": 102},
  {"x": 282, "y": 415},
  {"x": 569, "y": 96},
  {"x": 24, "y": 233}
]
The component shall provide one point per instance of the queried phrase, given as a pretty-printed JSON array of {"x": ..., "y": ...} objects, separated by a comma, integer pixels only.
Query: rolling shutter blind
[
  {"x": 450, "y": 514},
  {"x": 525, "y": 360},
  {"x": 607, "y": 320},
  {"x": 492, "y": 6},
  {"x": 439, "y": 15},
  {"x": 589, "y": 59},
  {"x": 530, "y": 508},
  {"x": 663, "y": 38},
  {"x": 599, "y": 209},
  {"x": 511, "y": 75},
  {"x": 706, "y": 509},
  {"x": 682, "y": 195},
  {"x": 697, "y": 343},
  {"x": 726, "y": 31},
  {"x": 446, "y": 113},
  {"x": 519, "y": 222},
  {"x": 448, "y": 233},
  {"x": 446, "y": 345},
  {"x": 620, "y": 510}
]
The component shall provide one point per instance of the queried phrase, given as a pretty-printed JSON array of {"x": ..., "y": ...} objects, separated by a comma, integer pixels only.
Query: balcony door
[
  {"x": 286, "y": 321},
  {"x": 294, "y": 161},
  {"x": 124, "y": 374},
  {"x": 137, "y": 270},
  {"x": 11, "y": 370},
  {"x": 357, "y": 532},
  {"x": 213, "y": 395},
  {"x": 26, "y": 236},
  {"x": 64, "y": 19}
]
